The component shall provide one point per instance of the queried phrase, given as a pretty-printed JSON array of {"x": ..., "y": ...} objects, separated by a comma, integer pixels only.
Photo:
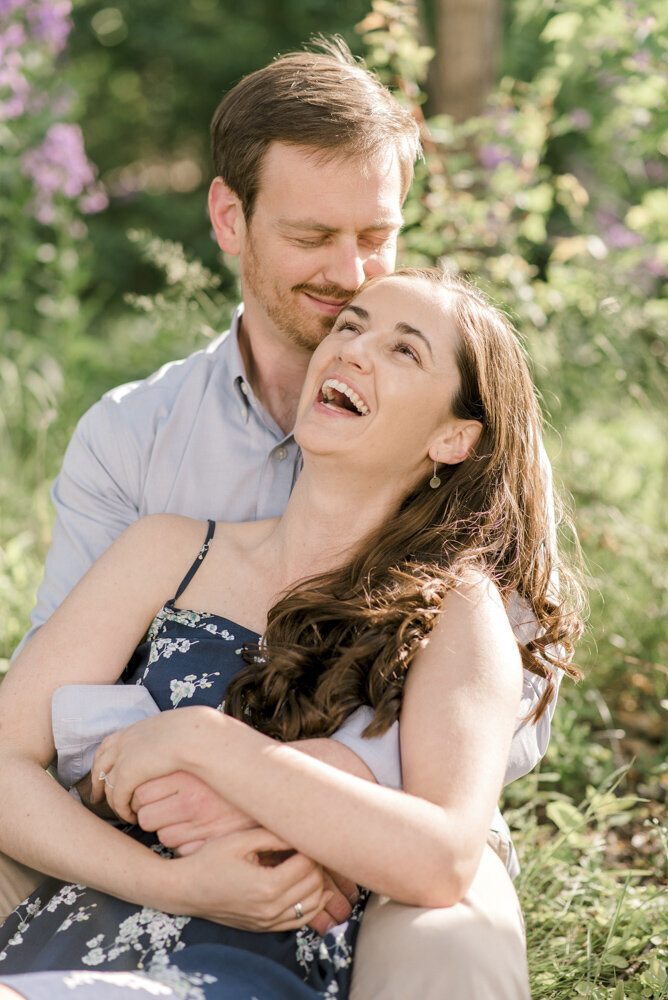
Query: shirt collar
[{"x": 237, "y": 370}]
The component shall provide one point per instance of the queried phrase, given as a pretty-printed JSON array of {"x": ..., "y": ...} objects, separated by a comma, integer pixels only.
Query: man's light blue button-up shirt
[{"x": 191, "y": 439}]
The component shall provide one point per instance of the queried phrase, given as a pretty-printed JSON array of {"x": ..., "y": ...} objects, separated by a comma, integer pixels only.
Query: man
[{"x": 313, "y": 159}]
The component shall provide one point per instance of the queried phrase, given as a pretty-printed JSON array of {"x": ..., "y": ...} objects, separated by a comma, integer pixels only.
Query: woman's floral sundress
[{"x": 68, "y": 941}]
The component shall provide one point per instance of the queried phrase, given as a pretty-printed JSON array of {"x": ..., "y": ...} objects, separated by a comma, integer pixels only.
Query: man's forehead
[
  {"x": 302, "y": 190},
  {"x": 308, "y": 175}
]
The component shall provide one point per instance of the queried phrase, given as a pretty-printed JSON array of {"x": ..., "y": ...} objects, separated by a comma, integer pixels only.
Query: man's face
[{"x": 319, "y": 228}]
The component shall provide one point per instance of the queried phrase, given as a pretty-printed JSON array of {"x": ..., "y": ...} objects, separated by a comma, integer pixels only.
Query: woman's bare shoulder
[
  {"x": 165, "y": 531},
  {"x": 473, "y": 626},
  {"x": 477, "y": 591}
]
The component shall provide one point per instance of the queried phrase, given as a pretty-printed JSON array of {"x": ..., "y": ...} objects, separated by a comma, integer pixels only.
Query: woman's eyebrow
[
  {"x": 362, "y": 313},
  {"x": 406, "y": 328}
]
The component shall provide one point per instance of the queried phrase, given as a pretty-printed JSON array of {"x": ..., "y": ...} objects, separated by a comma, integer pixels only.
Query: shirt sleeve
[
  {"x": 381, "y": 754},
  {"x": 96, "y": 496},
  {"x": 83, "y": 714},
  {"x": 530, "y": 739}
]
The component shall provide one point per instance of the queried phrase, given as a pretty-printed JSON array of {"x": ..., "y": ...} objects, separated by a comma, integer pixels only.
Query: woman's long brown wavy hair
[{"x": 347, "y": 638}]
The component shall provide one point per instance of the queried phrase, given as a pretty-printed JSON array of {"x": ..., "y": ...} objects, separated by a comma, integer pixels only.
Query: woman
[{"x": 419, "y": 514}]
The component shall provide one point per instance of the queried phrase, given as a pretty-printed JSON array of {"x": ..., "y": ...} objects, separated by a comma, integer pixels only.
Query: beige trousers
[
  {"x": 472, "y": 951},
  {"x": 16, "y": 882}
]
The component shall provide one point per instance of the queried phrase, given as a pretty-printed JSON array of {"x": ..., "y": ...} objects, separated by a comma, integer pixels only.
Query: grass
[{"x": 593, "y": 878}]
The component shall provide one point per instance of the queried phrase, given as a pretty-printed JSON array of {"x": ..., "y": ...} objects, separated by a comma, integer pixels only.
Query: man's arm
[{"x": 95, "y": 498}]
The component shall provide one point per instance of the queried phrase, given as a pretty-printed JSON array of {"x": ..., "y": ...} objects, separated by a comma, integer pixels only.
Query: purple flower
[
  {"x": 94, "y": 200},
  {"x": 619, "y": 237},
  {"x": 49, "y": 22},
  {"x": 59, "y": 166},
  {"x": 13, "y": 38},
  {"x": 13, "y": 81},
  {"x": 8, "y": 7},
  {"x": 491, "y": 156},
  {"x": 60, "y": 163},
  {"x": 658, "y": 268}
]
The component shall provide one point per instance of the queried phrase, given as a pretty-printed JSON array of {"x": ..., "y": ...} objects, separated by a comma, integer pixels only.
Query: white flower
[
  {"x": 95, "y": 956},
  {"x": 180, "y": 690}
]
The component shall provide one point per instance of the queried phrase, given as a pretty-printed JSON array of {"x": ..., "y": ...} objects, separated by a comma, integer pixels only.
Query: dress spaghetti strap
[{"x": 198, "y": 561}]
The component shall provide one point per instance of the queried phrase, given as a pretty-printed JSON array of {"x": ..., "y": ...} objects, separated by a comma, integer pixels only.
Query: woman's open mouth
[{"x": 338, "y": 396}]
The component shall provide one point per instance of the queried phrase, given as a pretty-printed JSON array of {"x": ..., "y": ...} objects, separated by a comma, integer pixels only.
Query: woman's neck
[{"x": 325, "y": 521}]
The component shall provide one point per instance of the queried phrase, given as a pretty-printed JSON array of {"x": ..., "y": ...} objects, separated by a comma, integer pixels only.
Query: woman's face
[{"x": 379, "y": 387}]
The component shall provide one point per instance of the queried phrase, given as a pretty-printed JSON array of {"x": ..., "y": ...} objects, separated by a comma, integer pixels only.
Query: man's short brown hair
[{"x": 322, "y": 99}]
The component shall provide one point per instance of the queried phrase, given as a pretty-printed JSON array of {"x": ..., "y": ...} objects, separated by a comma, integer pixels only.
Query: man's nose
[{"x": 345, "y": 267}]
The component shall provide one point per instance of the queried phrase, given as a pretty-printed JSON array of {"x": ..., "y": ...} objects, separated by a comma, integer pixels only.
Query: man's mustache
[{"x": 334, "y": 292}]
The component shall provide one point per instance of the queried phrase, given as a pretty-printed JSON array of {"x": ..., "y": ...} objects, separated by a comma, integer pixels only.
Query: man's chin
[{"x": 308, "y": 337}]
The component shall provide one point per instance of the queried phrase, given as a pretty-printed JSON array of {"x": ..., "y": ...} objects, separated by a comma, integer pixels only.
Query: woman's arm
[
  {"x": 89, "y": 639},
  {"x": 423, "y": 847}
]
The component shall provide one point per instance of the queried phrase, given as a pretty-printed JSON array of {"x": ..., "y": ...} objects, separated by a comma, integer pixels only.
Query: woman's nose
[{"x": 355, "y": 351}]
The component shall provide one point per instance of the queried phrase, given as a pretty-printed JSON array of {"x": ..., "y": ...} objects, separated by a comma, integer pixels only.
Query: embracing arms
[
  {"x": 423, "y": 847},
  {"x": 89, "y": 640}
]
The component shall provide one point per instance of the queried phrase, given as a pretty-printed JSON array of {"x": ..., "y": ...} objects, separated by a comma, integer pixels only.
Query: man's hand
[
  {"x": 339, "y": 907},
  {"x": 185, "y": 812}
]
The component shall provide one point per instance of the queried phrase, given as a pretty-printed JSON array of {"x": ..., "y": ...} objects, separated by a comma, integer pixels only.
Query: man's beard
[{"x": 303, "y": 328}]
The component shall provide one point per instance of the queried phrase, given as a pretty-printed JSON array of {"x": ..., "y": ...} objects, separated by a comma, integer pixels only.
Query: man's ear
[
  {"x": 227, "y": 217},
  {"x": 456, "y": 443}
]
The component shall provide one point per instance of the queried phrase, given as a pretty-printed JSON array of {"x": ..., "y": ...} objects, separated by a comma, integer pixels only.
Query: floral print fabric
[{"x": 71, "y": 941}]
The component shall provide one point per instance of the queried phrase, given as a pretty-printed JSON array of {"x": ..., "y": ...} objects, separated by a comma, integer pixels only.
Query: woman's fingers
[
  {"x": 299, "y": 894},
  {"x": 300, "y": 913}
]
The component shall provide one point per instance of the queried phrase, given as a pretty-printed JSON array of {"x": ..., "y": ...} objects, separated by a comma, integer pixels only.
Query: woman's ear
[
  {"x": 227, "y": 217},
  {"x": 456, "y": 443}
]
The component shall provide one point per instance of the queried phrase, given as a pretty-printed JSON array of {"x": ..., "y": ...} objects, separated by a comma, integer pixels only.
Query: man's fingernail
[{"x": 329, "y": 926}]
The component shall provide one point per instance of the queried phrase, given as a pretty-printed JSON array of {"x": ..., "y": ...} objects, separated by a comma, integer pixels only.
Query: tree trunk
[{"x": 468, "y": 33}]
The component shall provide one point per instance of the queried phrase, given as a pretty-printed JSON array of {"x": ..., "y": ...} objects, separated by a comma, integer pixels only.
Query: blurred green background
[{"x": 544, "y": 179}]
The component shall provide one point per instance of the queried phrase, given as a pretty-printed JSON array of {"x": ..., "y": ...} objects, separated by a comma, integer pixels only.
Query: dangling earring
[{"x": 434, "y": 482}]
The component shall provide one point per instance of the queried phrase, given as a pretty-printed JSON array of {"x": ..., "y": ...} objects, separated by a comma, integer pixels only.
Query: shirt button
[
  {"x": 243, "y": 387},
  {"x": 281, "y": 453}
]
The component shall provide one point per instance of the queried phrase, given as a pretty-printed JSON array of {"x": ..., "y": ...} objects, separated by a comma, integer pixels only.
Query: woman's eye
[
  {"x": 402, "y": 348},
  {"x": 347, "y": 325}
]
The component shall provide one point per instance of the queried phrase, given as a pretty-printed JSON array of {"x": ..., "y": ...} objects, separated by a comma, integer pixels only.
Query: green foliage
[
  {"x": 554, "y": 201},
  {"x": 593, "y": 930}
]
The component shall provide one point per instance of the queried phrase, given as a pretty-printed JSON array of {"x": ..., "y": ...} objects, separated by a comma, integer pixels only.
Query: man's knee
[
  {"x": 16, "y": 882},
  {"x": 472, "y": 950}
]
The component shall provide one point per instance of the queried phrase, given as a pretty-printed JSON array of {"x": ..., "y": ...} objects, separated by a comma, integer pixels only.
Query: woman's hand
[
  {"x": 147, "y": 749},
  {"x": 227, "y": 882}
]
